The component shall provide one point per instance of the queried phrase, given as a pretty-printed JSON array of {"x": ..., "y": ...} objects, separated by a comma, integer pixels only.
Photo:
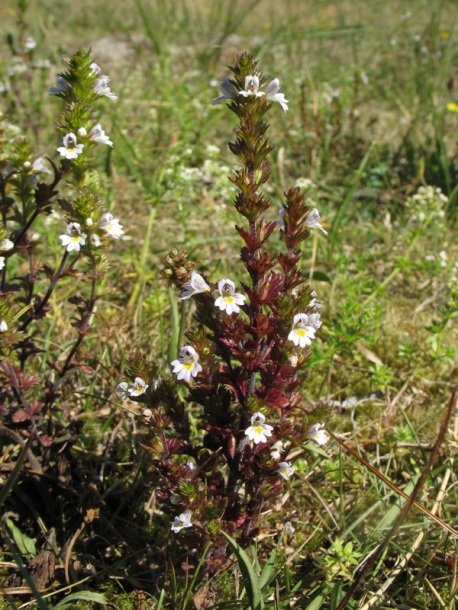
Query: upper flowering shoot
[
  {"x": 111, "y": 225},
  {"x": 197, "y": 285},
  {"x": 70, "y": 149},
  {"x": 182, "y": 521},
  {"x": 73, "y": 238},
  {"x": 313, "y": 221},
  {"x": 258, "y": 431},
  {"x": 187, "y": 365},
  {"x": 229, "y": 300},
  {"x": 228, "y": 91},
  {"x": 304, "y": 328}
]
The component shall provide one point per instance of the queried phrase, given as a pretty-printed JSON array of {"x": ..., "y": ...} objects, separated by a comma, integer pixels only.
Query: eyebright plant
[
  {"x": 232, "y": 407},
  {"x": 37, "y": 266}
]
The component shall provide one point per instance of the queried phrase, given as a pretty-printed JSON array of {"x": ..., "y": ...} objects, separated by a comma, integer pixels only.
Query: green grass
[{"x": 368, "y": 86}]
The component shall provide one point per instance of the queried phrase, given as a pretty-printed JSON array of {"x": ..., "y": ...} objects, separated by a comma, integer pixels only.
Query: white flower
[
  {"x": 73, "y": 239},
  {"x": 228, "y": 91},
  {"x": 95, "y": 240},
  {"x": 313, "y": 220},
  {"x": 229, "y": 300},
  {"x": 123, "y": 389},
  {"x": 303, "y": 330},
  {"x": 39, "y": 166},
  {"x": 186, "y": 366},
  {"x": 289, "y": 528},
  {"x": 318, "y": 434},
  {"x": 251, "y": 86},
  {"x": 182, "y": 521},
  {"x": 314, "y": 320},
  {"x": 29, "y": 44},
  {"x": 2, "y": 262},
  {"x": 285, "y": 470},
  {"x": 258, "y": 431},
  {"x": 111, "y": 225},
  {"x": 101, "y": 87},
  {"x": 195, "y": 286},
  {"x": 6, "y": 244},
  {"x": 98, "y": 135},
  {"x": 138, "y": 388},
  {"x": 61, "y": 86},
  {"x": 70, "y": 149},
  {"x": 3, "y": 326},
  {"x": 95, "y": 68},
  {"x": 271, "y": 93},
  {"x": 276, "y": 451},
  {"x": 81, "y": 133}
]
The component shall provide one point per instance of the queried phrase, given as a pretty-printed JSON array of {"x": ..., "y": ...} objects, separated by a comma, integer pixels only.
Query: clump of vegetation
[{"x": 182, "y": 424}]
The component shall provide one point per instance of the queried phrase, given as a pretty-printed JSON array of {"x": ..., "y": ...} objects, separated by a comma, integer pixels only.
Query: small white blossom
[
  {"x": 271, "y": 93},
  {"x": 318, "y": 434},
  {"x": 229, "y": 300},
  {"x": 3, "y": 326},
  {"x": 187, "y": 365},
  {"x": 2, "y": 262},
  {"x": 29, "y": 44},
  {"x": 6, "y": 244},
  {"x": 303, "y": 330},
  {"x": 98, "y": 135},
  {"x": 258, "y": 431},
  {"x": 70, "y": 149},
  {"x": 82, "y": 133},
  {"x": 73, "y": 239},
  {"x": 276, "y": 451},
  {"x": 313, "y": 221},
  {"x": 95, "y": 240},
  {"x": 111, "y": 225},
  {"x": 182, "y": 521},
  {"x": 61, "y": 86},
  {"x": 138, "y": 388},
  {"x": 251, "y": 86},
  {"x": 196, "y": 285},
  {"x": 289, "y": 529},
  {"x": 102, "y": 88},
  {"x": 285, "y": 470},
  {"x": 39, "y": 166},
  {"x": 95, "y": 68},
  {"x": 228, "y": 91},
  {"x": 122, "y": 389}
]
